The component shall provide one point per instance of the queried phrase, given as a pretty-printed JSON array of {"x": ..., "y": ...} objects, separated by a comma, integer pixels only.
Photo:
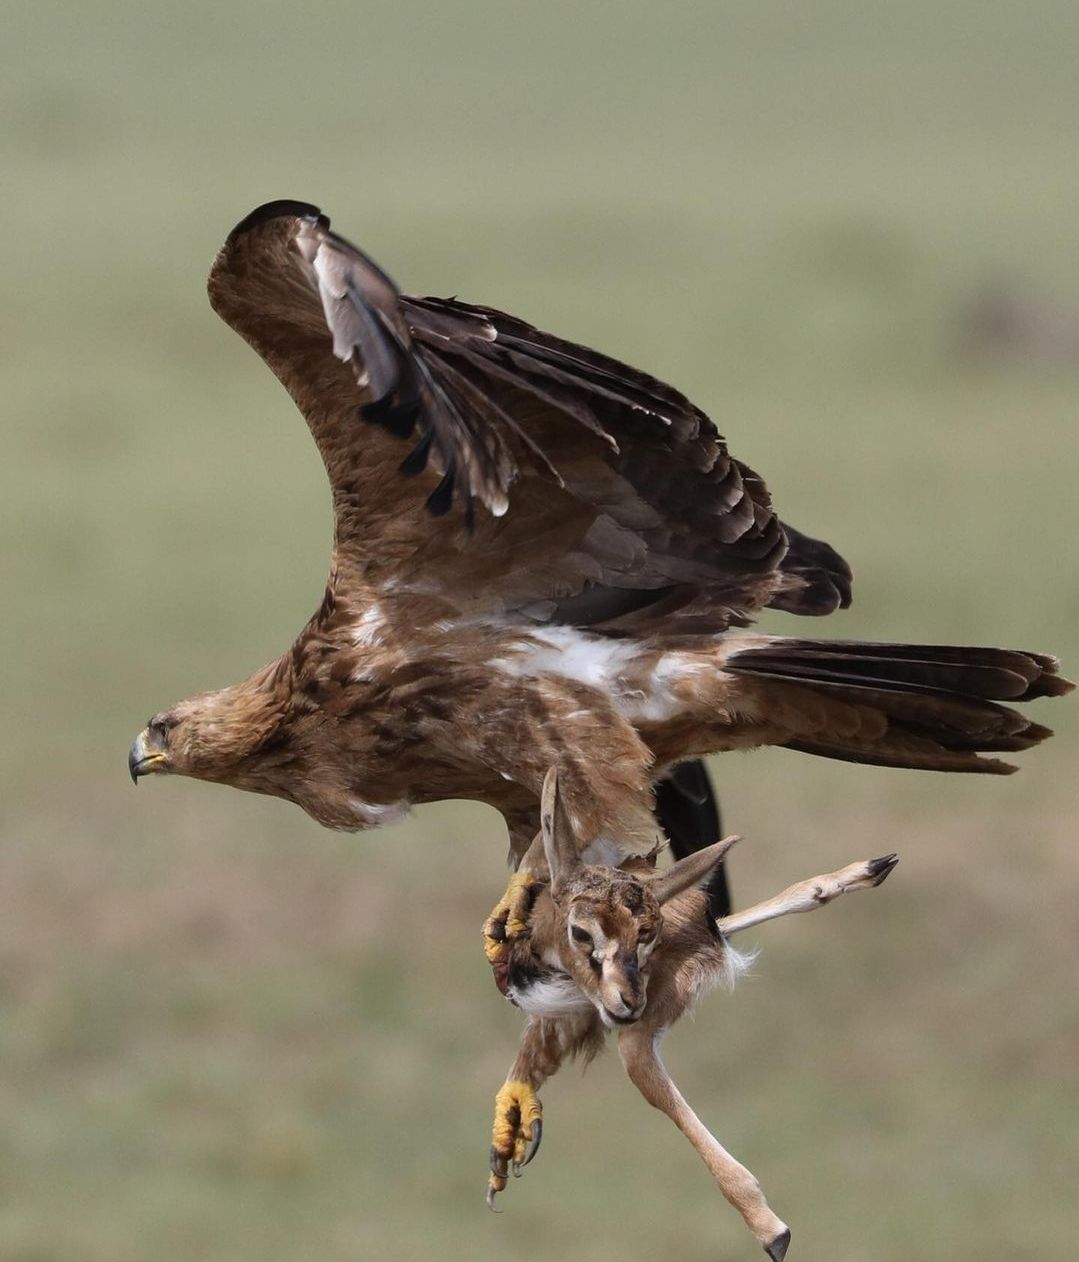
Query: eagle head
[
  {"x": 254, "y": 736},
  {"x": 218, "y": 736}
]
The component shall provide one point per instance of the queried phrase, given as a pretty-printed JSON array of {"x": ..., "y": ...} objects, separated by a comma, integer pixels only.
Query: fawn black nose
[{"x": 631, "y": 999}]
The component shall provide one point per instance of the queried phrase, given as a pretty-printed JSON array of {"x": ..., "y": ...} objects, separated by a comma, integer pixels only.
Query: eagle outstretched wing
[
  {"x": 489, "y": 478},
  {"x": 606, "y": 498}
]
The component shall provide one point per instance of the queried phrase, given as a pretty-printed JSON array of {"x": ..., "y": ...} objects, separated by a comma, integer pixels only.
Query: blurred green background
[{"x": 851, "y": 232}]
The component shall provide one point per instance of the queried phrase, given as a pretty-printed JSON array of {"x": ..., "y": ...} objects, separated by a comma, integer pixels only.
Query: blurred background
[{"x": 851, "y": 232}]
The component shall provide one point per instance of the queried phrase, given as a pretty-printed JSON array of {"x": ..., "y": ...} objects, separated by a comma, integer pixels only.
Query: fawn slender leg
[
  {"x": 637, "y": 1046},
  {"x": 518, "y": 1126},
  {"x": 811, "y": 894}
]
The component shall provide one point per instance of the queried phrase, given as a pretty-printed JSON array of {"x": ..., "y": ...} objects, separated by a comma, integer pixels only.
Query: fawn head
[{"x": 607, "y": 921}]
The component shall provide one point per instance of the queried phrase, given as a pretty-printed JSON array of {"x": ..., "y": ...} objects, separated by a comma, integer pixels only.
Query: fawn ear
[
  {"x": 562, "y": 857},
  {"x": 690, "y": 871}
]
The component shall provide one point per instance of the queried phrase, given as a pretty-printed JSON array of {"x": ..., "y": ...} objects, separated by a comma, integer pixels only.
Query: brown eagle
[{"x": 542, "y": 558}]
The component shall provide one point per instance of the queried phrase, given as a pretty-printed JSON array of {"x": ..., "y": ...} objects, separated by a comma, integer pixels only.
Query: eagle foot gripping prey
[{"x": 508, "y": 921}]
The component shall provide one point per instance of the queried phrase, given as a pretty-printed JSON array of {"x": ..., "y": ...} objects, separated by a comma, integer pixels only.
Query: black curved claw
[
  {"x": 497, "y": 1166},
  {"x": 777, "y": 1250},
  {"x": 534, "y": 1142},
  {"x": 491, "y": 1200}
]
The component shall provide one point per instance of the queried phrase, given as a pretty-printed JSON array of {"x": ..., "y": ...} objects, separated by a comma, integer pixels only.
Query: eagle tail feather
[{"x": 935, "y": 707}]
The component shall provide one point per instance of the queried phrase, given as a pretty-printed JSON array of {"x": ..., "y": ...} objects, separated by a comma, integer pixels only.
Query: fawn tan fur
[{"x": 628, "y": 950}]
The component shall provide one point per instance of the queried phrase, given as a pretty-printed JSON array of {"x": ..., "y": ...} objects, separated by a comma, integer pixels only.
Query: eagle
[{"x": 543, "y": 558}]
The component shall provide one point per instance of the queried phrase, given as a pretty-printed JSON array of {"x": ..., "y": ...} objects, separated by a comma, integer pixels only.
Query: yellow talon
[
  {"x": 509, "y": 919},
  {"x": 516, "y": 1107},
  {"x": 515, "y": 1136}
]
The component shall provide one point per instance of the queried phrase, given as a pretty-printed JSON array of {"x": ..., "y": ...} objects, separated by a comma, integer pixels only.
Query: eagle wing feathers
[{"x": 623, "y": 493}]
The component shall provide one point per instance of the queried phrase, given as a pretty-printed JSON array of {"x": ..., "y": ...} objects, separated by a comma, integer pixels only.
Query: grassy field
[{"x": 226, "y": 1034}]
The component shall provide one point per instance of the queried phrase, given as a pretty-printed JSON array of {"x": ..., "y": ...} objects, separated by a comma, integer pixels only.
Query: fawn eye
[{"x": 581, "y": 935}]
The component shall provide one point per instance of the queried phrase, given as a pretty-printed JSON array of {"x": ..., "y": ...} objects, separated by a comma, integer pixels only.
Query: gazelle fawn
[{"x": 630, "y": 950}]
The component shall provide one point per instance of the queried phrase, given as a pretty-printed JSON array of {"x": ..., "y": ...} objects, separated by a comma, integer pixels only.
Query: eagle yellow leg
[
  {"x": 515, "y": 1136},
  {"x": 508, "y": 921}
]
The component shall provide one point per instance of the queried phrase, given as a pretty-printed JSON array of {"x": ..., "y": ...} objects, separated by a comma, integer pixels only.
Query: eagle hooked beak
[{"x": 146, "y": 756}]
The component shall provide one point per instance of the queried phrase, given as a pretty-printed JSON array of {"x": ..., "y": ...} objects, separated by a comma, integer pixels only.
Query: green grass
[{"x": 228, "y": 1034}]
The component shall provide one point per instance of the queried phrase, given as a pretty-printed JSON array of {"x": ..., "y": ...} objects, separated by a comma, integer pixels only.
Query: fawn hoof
[
  {"x": 777, "y": 1250},
  {"x": 881, "y": 869}
]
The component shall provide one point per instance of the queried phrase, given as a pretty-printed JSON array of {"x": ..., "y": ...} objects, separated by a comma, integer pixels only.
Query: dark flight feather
[
  {"x": 941, "y": 702},
  {"x": 824, "y": 578}
]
